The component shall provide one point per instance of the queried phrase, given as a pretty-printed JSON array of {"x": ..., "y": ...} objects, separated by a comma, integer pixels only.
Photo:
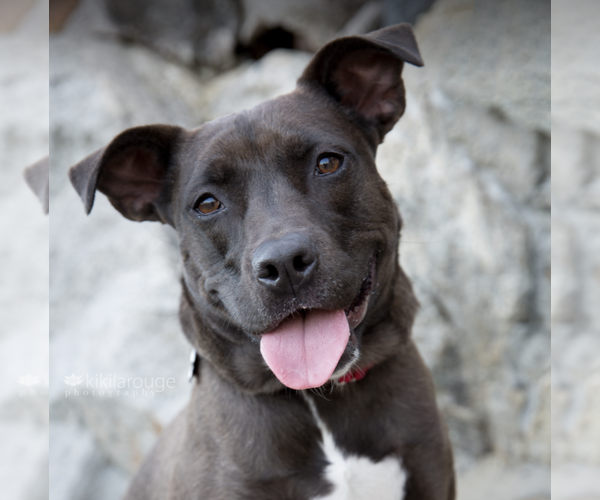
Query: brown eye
[
  {"x": 208, "y": 204},
  {"x": 328, "y": 164}
]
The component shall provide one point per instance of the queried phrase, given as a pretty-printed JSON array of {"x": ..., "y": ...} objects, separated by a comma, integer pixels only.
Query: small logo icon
[
  {"x": 73, "y": 380},
  {"x": 29, "y": 380}
]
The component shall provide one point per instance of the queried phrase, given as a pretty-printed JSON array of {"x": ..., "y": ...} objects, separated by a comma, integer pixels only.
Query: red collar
[{"x": 354, "y": 375}]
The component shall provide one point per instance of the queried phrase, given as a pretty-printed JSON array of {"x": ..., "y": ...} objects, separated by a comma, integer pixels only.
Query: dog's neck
[{"x": 233, "y": 355}]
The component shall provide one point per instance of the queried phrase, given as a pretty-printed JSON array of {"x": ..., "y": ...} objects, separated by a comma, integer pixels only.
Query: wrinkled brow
[{"x": 236, "y": 158}]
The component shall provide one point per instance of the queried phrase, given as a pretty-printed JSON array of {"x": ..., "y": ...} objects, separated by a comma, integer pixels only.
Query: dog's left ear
[
  {"x": 363, "y": 73},
  {"x": 132, "y": 171},
  {"x": 37, "y": 177}
]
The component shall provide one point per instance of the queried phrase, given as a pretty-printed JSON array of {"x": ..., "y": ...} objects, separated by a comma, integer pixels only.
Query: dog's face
[
  {"x": 287, "y": 232},
  {"x": 280, "y": 210}
]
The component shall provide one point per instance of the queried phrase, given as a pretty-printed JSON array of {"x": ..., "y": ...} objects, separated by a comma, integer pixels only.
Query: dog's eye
[
  {"x": 208, "y": 204},
  {"x": 328, "y": 164}
]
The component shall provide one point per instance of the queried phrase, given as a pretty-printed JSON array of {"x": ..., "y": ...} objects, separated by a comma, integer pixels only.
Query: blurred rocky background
[
  {"x": 23, "y": 253},
  {"x": 575, "y": 302},
  {"x": 469, "y": 165}
]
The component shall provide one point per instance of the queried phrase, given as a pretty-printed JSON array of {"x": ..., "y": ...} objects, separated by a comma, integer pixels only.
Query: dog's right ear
[
  {"x": 363, "y": 73},
  {"x": 131, "y": 171}
]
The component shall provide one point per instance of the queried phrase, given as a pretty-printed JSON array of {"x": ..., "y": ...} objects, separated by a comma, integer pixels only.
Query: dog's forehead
[
  {"x": 258, "y": 134},
  {"x": 269, "y": 136}
]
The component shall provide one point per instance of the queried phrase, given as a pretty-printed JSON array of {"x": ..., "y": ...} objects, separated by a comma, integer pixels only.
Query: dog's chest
[{"x": 356, "y": 477}]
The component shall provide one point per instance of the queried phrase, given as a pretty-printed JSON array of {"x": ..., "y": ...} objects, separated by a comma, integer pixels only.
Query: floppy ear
[
  {"x": 132, "y": 171},
  {"x": 363, "y": 73},
  {"x": 37, "y": 177}
]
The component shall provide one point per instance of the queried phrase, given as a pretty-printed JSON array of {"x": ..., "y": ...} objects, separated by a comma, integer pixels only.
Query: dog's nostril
[
  {"x": 268, "y": 273},
  {"x": 302, "y": 263},
  {"x": 272, "y": 273}
]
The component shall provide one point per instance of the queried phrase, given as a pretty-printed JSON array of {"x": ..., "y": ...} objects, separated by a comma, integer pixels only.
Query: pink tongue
[{"x": 303, "y": 351}]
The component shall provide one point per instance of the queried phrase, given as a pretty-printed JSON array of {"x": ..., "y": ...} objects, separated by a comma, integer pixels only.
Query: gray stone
[
  {"x": 23, "y": 260},
  {"x": 192, "y": 31},
  {"x": 208, "y": 32},
  {"x": 567, "y": 152},
  {"x": 407, "y": 11},
  {"x": 78, "y": 469},
  {"x": 250, "y": 84},
  {"x": 313, "y": 22},
  {"x": 575, "y": 70},
  {"x": 576, "y": 250},
  {"x": 494, "y": 479},
  {"x": 575, "y": 481},
  {"x": 24, "y": 470},
  {"x": 492, "y": 54}
]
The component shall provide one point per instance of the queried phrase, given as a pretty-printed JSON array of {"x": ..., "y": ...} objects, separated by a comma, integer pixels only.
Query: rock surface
[
  {"x": 469, "y": 166},
  {"x": 575, "y": 302},
  {"x": 23, "y": 259},
  {"x": 210, "y": 32}
]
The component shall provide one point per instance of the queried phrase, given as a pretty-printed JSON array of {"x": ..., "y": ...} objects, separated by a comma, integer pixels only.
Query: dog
[{"x": 307, "y": 383}]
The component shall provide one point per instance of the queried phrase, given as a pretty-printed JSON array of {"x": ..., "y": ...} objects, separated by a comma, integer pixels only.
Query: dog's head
[{"x": 288, "y": 234}]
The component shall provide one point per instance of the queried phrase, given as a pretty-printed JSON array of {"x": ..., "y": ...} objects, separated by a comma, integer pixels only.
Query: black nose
[{"x": 284, "y": 264}]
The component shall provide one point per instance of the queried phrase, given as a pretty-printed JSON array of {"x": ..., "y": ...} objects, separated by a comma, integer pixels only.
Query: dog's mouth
[
  {"x": 358, "y": 308},
  {"x": 304, "y": 350}
]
